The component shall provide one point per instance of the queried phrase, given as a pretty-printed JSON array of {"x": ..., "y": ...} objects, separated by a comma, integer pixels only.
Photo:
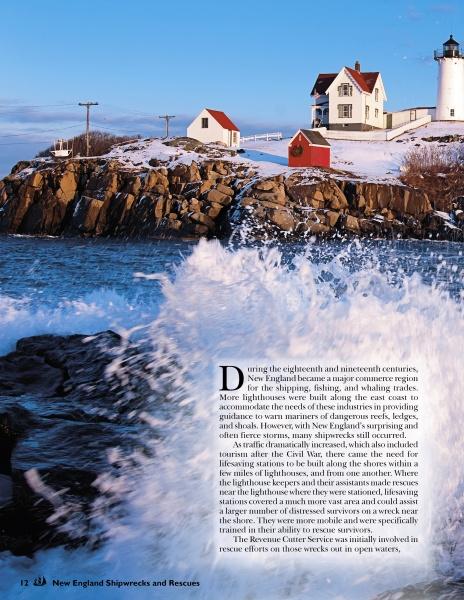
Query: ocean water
[{"x": 187, "y": 306}]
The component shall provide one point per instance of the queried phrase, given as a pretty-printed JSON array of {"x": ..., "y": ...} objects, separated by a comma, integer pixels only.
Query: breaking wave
[{"x": 261, "y": 304}]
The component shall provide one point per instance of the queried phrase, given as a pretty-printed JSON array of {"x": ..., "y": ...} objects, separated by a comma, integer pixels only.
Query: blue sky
[{"x": 254, "y": 59}]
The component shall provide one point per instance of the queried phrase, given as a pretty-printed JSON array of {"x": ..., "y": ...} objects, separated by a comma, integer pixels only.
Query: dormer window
[{"x": 345, "y": 89}]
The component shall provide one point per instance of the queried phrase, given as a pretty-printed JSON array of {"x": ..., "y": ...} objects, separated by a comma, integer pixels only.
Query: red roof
[
  {"x": 366, "y": 81},
  {"x": 322, "y": 83},
  {"x": 222, "y": 119},
  {"x": 370, "y": 77}
]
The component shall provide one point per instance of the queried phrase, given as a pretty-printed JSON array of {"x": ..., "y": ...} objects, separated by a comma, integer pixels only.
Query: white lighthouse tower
[{"x": 450, "y": 98}]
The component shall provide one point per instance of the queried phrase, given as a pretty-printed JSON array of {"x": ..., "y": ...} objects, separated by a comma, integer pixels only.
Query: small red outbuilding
[{"x": 308, "y": 148}]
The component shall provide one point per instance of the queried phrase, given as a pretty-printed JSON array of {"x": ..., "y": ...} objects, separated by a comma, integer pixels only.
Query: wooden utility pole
[
  {"x": 87, "y": 128},
  {"x": 167, "y": 118}
]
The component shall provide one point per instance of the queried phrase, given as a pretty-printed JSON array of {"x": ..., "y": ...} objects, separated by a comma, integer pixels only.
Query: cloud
[
  {"x": 10, "y": 155},
  {"x": 25, "y": 114},
  {"x": 413, "y": 14},
  {"x": 23, "y": 120},
  {"x": 425, "y": 59},
  {"x": 25, "y": 129},
  {"x": 444, "y": 8}
]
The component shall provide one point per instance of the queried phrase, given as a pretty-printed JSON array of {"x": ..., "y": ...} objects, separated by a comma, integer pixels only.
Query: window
[
  {"x": 345, "y": 89},
  {"x": 376, "y": 113},
  {"x": 345, "y": 111},
  {"x": 451, "y": 112},
  {"x": 376, "y": 93},
  {"x": 318, "y": 112},
  {"x": 234, "y": 137},
  {"x": 367, "y": 112},
  {"x": 204, "y": 123}
]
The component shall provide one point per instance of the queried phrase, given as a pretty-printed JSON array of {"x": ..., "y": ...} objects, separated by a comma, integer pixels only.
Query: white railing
[
  {"x": 375, "y": 134},
  {"x": 277, "y": 135}
]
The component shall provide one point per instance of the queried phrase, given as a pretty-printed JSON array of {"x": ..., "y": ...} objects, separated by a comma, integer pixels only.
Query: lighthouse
[{"x": 450, "y": 96}]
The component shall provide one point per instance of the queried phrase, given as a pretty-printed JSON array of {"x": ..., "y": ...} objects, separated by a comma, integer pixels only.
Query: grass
[
  {"x": 100, "y": 143},
  {"x": 438, "y": 171}
]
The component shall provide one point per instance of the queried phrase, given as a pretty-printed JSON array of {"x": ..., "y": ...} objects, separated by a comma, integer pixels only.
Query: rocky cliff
[{"x": 205, "y": 196}]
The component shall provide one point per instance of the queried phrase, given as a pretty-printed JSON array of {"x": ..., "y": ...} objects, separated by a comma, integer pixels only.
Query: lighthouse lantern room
[{"x": 450, "y": 97}]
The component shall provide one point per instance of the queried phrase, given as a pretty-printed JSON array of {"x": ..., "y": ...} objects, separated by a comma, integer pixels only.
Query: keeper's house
[
  {"x": 308, "y": 148},
  {"x": 214, "y": 126},
  {"x": 349, "y": 100}
]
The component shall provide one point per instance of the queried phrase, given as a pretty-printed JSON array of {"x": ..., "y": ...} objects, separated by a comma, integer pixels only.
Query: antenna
[
  {"x": 167, "y": 118},
  {"x": 87, "y": 128}
]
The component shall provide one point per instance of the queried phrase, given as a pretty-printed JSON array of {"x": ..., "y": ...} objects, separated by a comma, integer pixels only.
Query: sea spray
[{"x": 247, "y": 302}]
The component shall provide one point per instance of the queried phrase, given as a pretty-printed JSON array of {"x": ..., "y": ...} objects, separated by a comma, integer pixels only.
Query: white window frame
[
  {"x": 367, "y": 111},
  {"x": 376, "y": 94},
  {"x": 376, "y": 113},
  {"x": 345, "y": 89},
  {"x": 204, "y": 123},
  {"x": 345, "y": 111}
]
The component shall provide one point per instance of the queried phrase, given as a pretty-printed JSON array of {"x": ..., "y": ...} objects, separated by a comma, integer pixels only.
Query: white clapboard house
[
  {"x": 214, "y": 126},
  {"x": 349, "y": 100}
]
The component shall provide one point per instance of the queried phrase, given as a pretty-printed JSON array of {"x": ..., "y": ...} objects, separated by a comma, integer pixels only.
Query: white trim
[
  {"x": 307, "y": 139},
  {"x": 299, "y": 131},
  {"x": 315, "y": 145},
  {"x": 354, "y": 81},
  {"x": 374, "y": 135}
]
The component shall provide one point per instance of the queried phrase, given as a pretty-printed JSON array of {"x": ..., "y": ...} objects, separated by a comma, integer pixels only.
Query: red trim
[{"x": 222, "y": 119}]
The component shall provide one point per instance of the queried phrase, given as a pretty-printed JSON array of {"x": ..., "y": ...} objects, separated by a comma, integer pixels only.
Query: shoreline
[{"x": 206, "y": 193}]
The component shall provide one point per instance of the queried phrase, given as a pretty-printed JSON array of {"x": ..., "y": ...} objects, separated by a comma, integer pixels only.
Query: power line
[
  {"x": 167, "y": 118},
  {"x": 129, "y": 110},
  {"x": 120, "y": 131},
  {"x": 39, "y": 132},
  {"x": 116, "y": 129},
  {"x": 87, "y": 127},
  {"x": 22, "y": 143},
  {"x": 3, "y": 105}
]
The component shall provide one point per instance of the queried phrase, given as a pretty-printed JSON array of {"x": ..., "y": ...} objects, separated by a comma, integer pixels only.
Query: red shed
[{"x": 308, "y": 148}]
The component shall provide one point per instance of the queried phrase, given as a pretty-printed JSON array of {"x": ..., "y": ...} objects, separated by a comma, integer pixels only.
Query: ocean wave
[{"x": 258, "y": 304}]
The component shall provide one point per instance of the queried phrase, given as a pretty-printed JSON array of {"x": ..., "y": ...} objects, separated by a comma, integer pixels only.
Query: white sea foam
[
  {"x": 93, "y": 312},
  {"x": 225, "y": 304}
]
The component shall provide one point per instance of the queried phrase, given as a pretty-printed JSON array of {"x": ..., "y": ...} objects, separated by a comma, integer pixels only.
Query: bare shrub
[
  {"x": 438, "y": 171},
  {"x": 100, "y": 143}
]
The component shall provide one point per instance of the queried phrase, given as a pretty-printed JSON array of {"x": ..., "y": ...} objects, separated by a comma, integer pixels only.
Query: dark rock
[
  {"x": 186, "y": 143},
  {"x": 67, "y": 410},
  {"x": 19, "y": 166},
  {"x": 103, "y": 197}
]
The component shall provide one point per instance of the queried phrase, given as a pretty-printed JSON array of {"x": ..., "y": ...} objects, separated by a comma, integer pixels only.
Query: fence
[
  {"x": 374, "y": 135},
  {"x": 277, "y": 135}
]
